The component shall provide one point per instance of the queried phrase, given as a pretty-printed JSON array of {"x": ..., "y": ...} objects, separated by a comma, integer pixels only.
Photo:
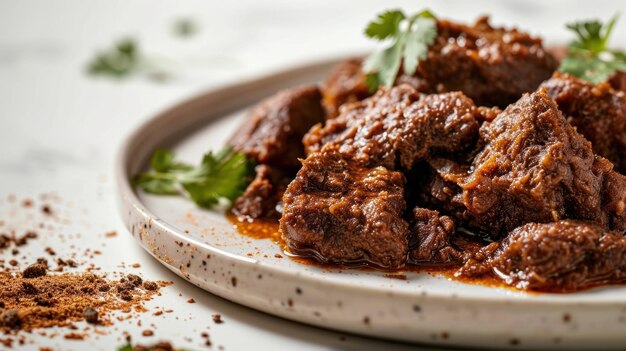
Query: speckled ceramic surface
[{"x": 203, "y": 247}]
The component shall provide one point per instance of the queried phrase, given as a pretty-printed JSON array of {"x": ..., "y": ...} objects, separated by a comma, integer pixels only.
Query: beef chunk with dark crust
[
  {"x": 596, "y": 110},
  {"x": 343, "y": 213},
  {"x": 346, "y": 83},
  {"x": 493, "y": 66},
  {"x": 398, "y": 127},
  {"x": 561, "y": 256},
  {"x": 613, "y": 194},
  {"x": 430, "y": 242},
  {"x": 534, "y": 168},
  {"x": 263, "y": 194},
  {"x": 617, "y": 80},
  {"x": 273, "y": 134},
  {"x": 438, "y": 185}
]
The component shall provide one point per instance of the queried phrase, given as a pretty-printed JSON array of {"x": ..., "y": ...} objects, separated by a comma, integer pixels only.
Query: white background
[{"x": 60, "y": 129}]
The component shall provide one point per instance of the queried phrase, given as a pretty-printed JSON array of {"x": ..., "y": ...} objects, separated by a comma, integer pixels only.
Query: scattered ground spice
[
  {"x": 61, "y": 264},
  {"x": 217, "y": 318},
  {"x": 110, "y": 234},
  {"x": 91, "y": 315},
  {"x": 147, "y": 332},
  {"x": 39, "y": 299},
  {"x": 191, "y": 300},
  {"x": 207, "y": 339},
  {"x": 148, "y": 285},
  {"x": 11, "y": 241},
  {"x": 46, "y": 209},
  {"x": 50, "y": 251},
  {"x": 35, "y": 270},
  {"x": 74, "y": 336}
]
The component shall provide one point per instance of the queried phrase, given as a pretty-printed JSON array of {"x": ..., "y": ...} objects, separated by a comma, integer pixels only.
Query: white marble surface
[{"x": 60, "y": 129}]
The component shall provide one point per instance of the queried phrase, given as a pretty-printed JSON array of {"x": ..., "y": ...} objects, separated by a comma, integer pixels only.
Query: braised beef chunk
[
  {"x": 617, "y": 80},
  {"x": 596, "y": 110},
  {"x": 534, "y": 168},
  {"x": 398, "y": 127},
  {"x": 273, "y": 134},
  {"x": 613, "y": 195},
  {"x": 344, "y": 213},
  {"x": 346, "y": 83},
  {"x": 430, "y": 235},
  {"x": 561, "y": 256},
  {"x": 262, "y": 195},
  {"x": 492, "y": 66},
  {"x": 437, "y": 184}
]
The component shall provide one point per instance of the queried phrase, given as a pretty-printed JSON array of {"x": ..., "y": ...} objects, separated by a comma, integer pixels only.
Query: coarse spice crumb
[
  {"x": 37, "y": 299},
  {"x": 7, "y": 241},
  {"x": 217, "y": 318}
]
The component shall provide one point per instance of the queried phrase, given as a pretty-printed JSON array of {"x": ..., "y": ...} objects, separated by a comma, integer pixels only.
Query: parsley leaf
[
  {"x": 185, "y": 27},
  {"x": 386, "y": 25},
  {"x": 222, "y": 175},
  {"x": 588, "y": 55},
  {"x": 121, "y": 60},
  {"x": 125, "y": 59},
  {"x": 129, "y": 347},
  {"x": 410, "y": 37}
]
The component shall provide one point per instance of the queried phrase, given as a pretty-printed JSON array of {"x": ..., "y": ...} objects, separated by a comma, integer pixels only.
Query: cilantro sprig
[
  {"x": 125, "y": 59},
  {"x": 120, "y": 60},
  {"x": 129, "y": 347},
  {"x": 222, "y": 175},
  {"x": 589, "y": 56},
  {"x": 185, "y": 27},
  {"x": 410, "y": 37}
]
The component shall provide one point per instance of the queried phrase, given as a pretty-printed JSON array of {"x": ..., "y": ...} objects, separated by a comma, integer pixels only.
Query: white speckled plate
[{"x": 202, "y": 247}]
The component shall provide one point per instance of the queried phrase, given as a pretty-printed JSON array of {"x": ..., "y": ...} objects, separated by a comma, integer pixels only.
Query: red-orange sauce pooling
[
  {"x": 268, "y": 229},
  {"x": 257, "y": 229}
]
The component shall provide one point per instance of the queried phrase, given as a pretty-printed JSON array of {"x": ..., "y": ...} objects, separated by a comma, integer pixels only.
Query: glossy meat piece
[
  {"x": 343, "y": 213},
  {"x": 263, "y": 194},
  {"x": 273, "y": 133},
  {"x": 617, "y": 80},
  {"x": 430, "y": 238},
  {"x": 534, "y": 168},
  {"x": 493, "y": 66},
  {"x": 398, "y": 127},
  {"x": 346, "y": 83},
  {"x": 596, "y": 110},
  {"x": 561, "y": 256},
  {"x": 438, "y": 185}
]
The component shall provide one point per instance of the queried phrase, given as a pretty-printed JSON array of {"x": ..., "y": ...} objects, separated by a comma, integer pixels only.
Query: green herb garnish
[
  {"x": 185, "y": 27},
  {"x": 588, "y": 56},
  {"x": 125, "y": 59},
  {"x": 220, "y": 176},
  {"x": 121, "y": 60},
  {"x": 129, "y": 347},
  {"x": 410, "y": 38}
]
